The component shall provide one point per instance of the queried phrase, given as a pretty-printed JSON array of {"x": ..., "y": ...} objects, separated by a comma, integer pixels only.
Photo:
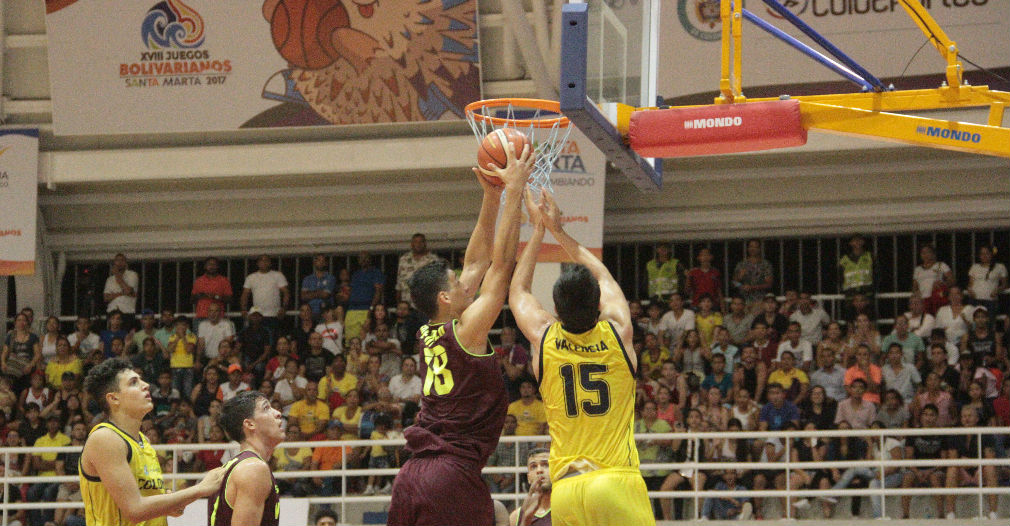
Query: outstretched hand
[
  {"x": 488, "y": 183},
  {"x": 517, "y": 169},
  {"x": 550, "y": 214},
  {"x": 533, "y": 209}
]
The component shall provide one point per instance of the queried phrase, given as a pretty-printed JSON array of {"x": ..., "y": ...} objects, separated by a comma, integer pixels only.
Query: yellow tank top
[
  {"x": 99, "y": 508},
  {"x": 588, "y": 388}
]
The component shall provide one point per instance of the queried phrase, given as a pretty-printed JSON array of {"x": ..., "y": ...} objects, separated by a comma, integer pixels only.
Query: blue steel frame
[
  {"x": 826, "y": 44},
  {"x": 577, "y": 106},
  {"x": 807, "y": 50}
]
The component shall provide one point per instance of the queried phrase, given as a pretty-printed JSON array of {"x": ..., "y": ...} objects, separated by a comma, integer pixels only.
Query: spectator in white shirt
[
  {"x": 212, "y": 331},
  {"x": 121, "y": 289},
  {"x": 812, "y": 319},
  {"x": 268, "y": 290},
  {"x": 406, "y": 386},
  {"x": 986, "y": 279},
  {"x": 920, "y": 322},
  {"x": 800, "y": 348},
  {"x": 332, "y": 329},
  {"x": 955, "y": 318},
  {"x": 931, "y": 278},
  {"x": 83, "y": 341},
  {"x": 675, "y": 322}
]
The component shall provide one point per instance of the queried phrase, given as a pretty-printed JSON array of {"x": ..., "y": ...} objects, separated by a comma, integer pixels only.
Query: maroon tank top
[
  {"x": 463, "y": 401},
  {"x": 219, "y": 512},
  {"x": 542, "y": 521}
]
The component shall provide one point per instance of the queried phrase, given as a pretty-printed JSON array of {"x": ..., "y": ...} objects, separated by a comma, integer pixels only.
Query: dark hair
[
  {"x": 931, "y": 407},
  {"x": 859, "y": 381},
  {"x": 577, "y": 298},
  {"x": 383, "y": 420},
  {"x": 537, "y": 451},
  {"x": 103, "y": 379},
  {"x": 236, "y": 411},
  {"x": 901, "y": 399},
  {"x": 425, "y": 285},
  {"x": 325, "y": 512}
]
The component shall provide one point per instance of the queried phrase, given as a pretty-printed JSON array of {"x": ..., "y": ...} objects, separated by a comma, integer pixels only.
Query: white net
[{"x": 546, "y": 129}]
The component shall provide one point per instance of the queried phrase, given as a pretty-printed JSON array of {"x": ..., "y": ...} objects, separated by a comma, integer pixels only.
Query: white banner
[
  {"x": 161, "y": 66},
  {"x": 19, "y": 183}
]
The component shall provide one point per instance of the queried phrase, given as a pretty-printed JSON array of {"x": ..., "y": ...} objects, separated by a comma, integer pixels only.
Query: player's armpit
[{"x": 252, "y": 485}]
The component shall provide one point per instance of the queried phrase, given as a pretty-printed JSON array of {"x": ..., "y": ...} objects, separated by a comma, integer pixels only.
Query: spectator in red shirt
[
  {"x": 210, "y": 288},
  {"x": 705, "y": 279},
  {"x": 209, "y": 459}
]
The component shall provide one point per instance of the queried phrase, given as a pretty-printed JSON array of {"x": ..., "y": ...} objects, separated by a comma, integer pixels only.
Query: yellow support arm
[
  {"x": 940, "y": 40},
  {"x": 920, "y": 131}
]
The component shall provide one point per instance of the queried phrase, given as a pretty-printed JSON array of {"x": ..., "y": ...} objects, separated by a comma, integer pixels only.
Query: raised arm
[
  {"x": 477, "y": 319},
  {"x": 613, "y": 304},
  {"x": 477, "y": 258},
  {"x": 529, "y": 314}
]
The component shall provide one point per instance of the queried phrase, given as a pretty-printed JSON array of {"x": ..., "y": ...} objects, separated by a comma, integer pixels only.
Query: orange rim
[{"x": 541, "y": 104}]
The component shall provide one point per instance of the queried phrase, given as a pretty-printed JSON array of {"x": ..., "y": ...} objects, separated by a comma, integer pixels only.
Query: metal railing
[{"x": 519, "y": 471}]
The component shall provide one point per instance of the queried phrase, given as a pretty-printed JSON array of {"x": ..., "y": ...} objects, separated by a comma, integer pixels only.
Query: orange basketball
[
  {"x": 492, "y": 150},
  {"x": 301, "y": 30}
]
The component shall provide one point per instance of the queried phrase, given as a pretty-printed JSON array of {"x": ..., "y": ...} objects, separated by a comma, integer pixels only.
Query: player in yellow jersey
[
  {"x": 587, "y": 381},
  {"x": 121, "y": 481}
]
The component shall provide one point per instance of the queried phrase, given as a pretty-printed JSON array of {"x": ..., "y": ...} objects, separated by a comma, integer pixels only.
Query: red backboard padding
[{"x": 716, "y": 129}]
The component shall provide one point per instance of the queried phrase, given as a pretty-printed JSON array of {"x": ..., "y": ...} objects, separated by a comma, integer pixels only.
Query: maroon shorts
[{"x": 440, "y": 490}]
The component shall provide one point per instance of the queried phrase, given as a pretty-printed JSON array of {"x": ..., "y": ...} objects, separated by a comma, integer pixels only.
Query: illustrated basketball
[
  {"x": 301, "y": 30},
  {"x": 492, "y": 148}
]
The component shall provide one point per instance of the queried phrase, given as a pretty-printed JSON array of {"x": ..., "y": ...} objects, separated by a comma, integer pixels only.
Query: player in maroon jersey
[
  {"x": 248, "y": 494},
  {"x": 464, "y": 399}
]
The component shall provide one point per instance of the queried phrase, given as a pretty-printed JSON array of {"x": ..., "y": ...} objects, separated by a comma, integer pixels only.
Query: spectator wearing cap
[
  {"x": 770, "y": 316},
  {"x": 234, "y": 385},
  {"x": 325, "y": 458},
  {"x": 182, "y": 355},
  {"x": 211, "y": 289},
  {"x": 148, "y": 329}
]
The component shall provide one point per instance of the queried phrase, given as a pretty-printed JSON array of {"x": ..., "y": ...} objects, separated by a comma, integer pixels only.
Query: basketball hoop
[{"x": 540, "y": 120}]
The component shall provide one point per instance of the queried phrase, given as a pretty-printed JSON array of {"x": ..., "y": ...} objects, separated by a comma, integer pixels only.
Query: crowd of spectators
[{"x": 347, "y": 367}]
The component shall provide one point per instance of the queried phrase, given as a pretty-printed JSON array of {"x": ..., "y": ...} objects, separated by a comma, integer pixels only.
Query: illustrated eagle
[{"x": 355, "y": 61}]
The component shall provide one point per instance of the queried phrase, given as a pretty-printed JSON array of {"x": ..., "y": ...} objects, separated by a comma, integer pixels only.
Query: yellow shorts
[{"x": 606, "y": 497}]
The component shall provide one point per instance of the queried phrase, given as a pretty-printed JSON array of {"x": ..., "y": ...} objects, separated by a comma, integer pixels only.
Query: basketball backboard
[{"x": 609, "y": 55}]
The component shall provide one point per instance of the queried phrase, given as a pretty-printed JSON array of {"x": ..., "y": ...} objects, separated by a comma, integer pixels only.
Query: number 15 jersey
[{"x": 588, "y": 388}]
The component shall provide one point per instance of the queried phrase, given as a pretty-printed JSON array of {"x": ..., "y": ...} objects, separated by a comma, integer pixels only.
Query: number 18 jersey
[
  {"x": 588, "y": 387},
  {"x": 463, "y": 401}
]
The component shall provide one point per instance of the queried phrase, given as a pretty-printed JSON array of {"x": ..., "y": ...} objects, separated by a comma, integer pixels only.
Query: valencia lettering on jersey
[{"x": 565, "y": 345}]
